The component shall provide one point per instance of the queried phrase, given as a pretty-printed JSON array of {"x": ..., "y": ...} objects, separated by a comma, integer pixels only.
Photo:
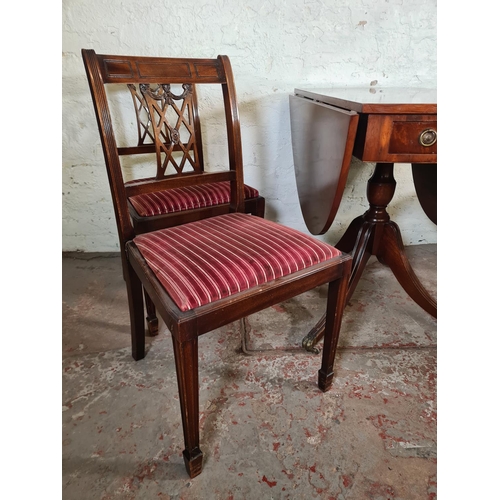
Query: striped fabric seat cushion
[
  {"x": 186, "y": 198},
  {"x": 210, "y": 259}
]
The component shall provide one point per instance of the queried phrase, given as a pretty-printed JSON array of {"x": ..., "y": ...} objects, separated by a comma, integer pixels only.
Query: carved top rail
[{"x": 147, "y": 69}]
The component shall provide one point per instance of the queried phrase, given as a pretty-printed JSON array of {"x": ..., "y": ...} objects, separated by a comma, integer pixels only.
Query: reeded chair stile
[{"x": 205, "y": 272}]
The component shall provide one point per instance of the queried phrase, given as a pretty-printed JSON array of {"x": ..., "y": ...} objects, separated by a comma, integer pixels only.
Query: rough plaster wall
[{"x": 274, "y": 46}]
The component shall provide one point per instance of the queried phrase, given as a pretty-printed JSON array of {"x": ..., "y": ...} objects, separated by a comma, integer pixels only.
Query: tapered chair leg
[
  {"x": 186, "y": 365},
  {"x": 151, "y": 318},
  {"x": 337, "y": 293},
  {"x": 136, "y": 310}
]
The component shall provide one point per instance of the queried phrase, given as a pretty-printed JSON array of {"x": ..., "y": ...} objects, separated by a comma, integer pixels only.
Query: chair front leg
[
  {"x": 186, "y": 365},
  {"x": 136, "y": 311},
  {"x": 337, "y": 294}
]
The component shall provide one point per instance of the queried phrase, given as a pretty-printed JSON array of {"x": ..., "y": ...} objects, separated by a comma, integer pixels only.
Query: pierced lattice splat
[
  {"x": 172, "y": 122},
  {"x": 144, "y": 129}
]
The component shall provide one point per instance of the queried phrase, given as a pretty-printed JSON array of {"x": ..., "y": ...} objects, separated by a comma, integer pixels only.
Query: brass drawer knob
[{"x": 428, "y": 137}]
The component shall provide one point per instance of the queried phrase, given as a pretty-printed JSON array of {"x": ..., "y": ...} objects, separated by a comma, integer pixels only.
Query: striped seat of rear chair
[
  {"x": 185, "y": 198},
  {"x": 207, "y": 260}
]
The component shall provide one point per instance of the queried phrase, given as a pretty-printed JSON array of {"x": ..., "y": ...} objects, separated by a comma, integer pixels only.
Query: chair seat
[
  {"x": 207, "y": 260},
  {"x": 186, "y": 198}
]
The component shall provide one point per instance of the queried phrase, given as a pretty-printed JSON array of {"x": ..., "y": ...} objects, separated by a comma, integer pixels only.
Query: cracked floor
[{"x": 267, "y": 432}]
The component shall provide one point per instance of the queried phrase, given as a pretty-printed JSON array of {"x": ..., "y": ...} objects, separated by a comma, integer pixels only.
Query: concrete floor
[{"x": 267, "y": 432}]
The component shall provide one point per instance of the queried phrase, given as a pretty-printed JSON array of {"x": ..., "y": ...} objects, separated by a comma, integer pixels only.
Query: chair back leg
[{"x": 151, "y": 318}]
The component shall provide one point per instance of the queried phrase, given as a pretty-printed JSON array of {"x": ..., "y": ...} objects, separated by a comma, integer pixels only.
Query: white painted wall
[{"x": 274, "y": 46}]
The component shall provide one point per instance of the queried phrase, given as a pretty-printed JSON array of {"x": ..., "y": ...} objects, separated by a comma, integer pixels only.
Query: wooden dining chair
[{"x": 205, "y": 273}]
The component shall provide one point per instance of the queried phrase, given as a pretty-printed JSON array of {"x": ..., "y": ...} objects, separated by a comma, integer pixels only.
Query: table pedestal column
[{"x": 373, "y": 233}]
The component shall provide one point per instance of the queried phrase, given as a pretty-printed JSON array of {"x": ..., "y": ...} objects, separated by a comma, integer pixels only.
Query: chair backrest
[{"x": 167, "y": 123}]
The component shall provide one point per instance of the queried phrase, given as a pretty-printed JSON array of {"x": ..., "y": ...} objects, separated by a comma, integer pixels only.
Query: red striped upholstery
[
  {"x": 210, "y": 259},
  {"x": 186, "y": 198}
]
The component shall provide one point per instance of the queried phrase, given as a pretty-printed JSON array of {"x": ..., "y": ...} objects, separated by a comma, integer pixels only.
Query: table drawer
[{"x": 397, "y": 138}]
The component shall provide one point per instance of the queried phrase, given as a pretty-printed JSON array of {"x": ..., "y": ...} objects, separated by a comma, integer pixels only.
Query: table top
[{"x": 376, "y": 100}]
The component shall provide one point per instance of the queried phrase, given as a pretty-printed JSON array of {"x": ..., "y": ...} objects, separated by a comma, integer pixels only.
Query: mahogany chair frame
[{"x": 186, "y": 327}]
